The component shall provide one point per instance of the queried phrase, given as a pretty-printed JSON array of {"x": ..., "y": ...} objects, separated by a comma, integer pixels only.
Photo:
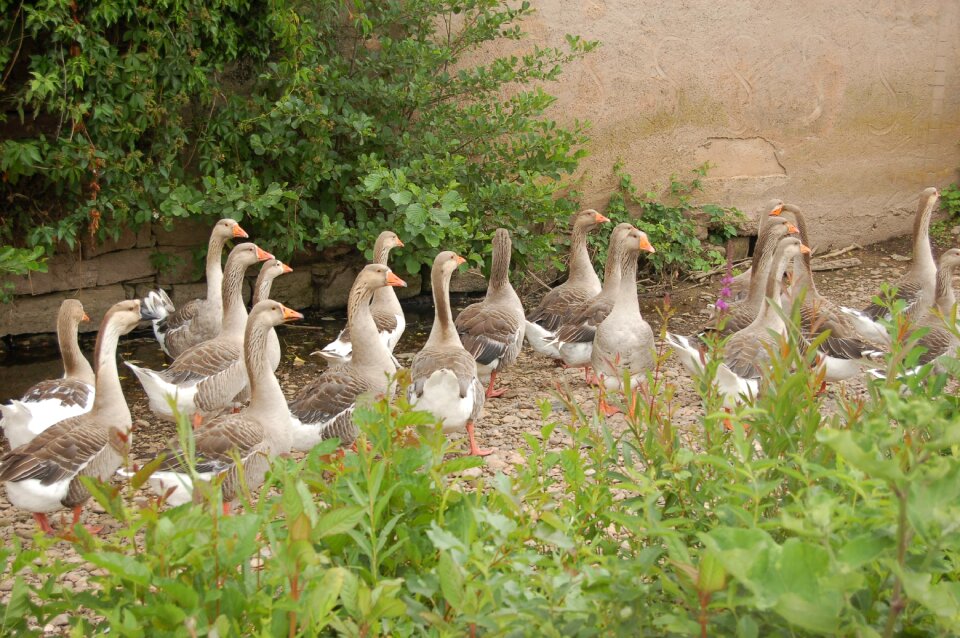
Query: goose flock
[{"x": 222, "y": 376}]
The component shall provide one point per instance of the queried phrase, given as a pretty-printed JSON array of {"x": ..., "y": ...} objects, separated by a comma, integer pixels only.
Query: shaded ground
[{"x": 506, "y": 420}]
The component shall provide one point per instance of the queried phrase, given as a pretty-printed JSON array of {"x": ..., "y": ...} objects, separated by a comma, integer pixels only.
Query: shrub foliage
[{"x": 316, "y": 122}]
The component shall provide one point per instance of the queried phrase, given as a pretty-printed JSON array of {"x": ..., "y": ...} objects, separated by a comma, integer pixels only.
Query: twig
[
  {"x": 837, "y": 264},
  {"x": 719, "y": 269},
  {"x": 842, "y": 251}
]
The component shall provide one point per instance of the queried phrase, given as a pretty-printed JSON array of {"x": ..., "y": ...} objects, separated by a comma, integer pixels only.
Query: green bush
[
  {"x": 315, "y": 122},
  {"x": 768, "y": 520},
  {"x": 669, "y": 223}
]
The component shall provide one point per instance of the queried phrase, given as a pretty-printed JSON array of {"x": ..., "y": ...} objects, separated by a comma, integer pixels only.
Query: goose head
[
  {"x": 588, "y": 219},
  {"x": 71, "y": 310},
  {"x": 273, "y": 313},
  {"x": 446, "y": 262},
  {"x": 228, "y": 229},
  {"x": 248, "y": 254},
  {"x": 375, "y": 276}
]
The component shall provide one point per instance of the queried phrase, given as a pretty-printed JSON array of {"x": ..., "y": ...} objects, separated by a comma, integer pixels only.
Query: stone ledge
[{"x": 38, "y": 313}]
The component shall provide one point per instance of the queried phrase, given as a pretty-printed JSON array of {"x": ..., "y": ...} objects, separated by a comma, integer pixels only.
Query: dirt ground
[{"x": 506, "y": 420}]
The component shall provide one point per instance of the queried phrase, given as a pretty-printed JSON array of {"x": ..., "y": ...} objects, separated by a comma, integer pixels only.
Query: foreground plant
[{"x": 787, "y": 523}]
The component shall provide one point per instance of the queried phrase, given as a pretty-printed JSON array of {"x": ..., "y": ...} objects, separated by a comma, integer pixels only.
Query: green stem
[{"x": 897, "y": 601}]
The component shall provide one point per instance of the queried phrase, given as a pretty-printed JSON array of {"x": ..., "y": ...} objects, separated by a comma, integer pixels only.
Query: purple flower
[{"x": 722, "y": 305}]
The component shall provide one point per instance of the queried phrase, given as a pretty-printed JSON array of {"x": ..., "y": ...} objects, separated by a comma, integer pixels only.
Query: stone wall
[
  {"x": 848, "y": 109},
  {"x": 100, "y": 275}
]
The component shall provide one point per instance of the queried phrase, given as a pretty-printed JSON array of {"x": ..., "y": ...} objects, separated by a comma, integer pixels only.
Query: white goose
[
  {"x": 52, "y": 401},
  {"x": 746, "y": 353},
  {"x": 43, "y": 475},
  {"x": 206, "y": 378},
  {"x": 197, "y": 320},
  {"x": 443, "y": 374},
  {"x": 324, "y": 409},
  {"x": 255, "y": 435},
  {"x": 385, "y": 307},
  {"x": 581, "y": 285}
]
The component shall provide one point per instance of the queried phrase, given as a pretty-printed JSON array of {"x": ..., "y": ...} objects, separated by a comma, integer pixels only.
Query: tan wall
[{"x": 846, "y": 108}]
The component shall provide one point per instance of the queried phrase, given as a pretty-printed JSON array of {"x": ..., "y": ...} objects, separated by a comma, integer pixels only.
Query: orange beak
[
  {"x": 776, "y": 211},
  {"x": 290, "y": 315},
  {"x": 286, "y": 268},
  {"x": 399, "y": 243},
  {"x": 239, "y": 232},
  {"x": 460, "y": 260},
  {"x": 792, "y": 229},
  {"x": 85, "y": 317},
  {"x": 263, "y": 255},
  {"x": 393, "y": 280},
  {"x": 646, "y": 245},
  {"x": 804, "y": 249},
  {"x": 601, "y": 219}
]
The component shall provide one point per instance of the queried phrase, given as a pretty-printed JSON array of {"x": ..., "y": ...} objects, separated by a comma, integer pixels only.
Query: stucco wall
[{"x": 846, "y": 108}]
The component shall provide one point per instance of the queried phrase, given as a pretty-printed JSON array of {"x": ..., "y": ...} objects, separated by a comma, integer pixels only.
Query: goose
[
  {"x": 43, "y": 475},
  {"x": 917, "y": 286},
  {"x": 270, "y": 270},
  {"x": 443, "y": 374},
  {"x": 745, "y": 353},
  {"x": 844, "y": 352},
  {"x": 255, "y": 435},
  {"x": 581, "y": 284},
  {"x": 324, "y": 408},
  {"x": 741, "y": 314},
  {"x": 197, "y": 320},
  {"x": 740, "y": 286},
  {"x": 940, "y": 340},
  {"x": 386, "y": 310},
  {"x": 623, "y": 343},
  {"x": 52, "y": 401},
  {"x": 492, "y": 330},
  {"x": 574, "y": 338},
  {"x": 207, "y": 377}
]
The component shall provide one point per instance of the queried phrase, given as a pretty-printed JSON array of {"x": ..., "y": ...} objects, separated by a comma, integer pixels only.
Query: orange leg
[
  {"x": 474, "y": 449},
  {"x": 589, "y": 377},
  {"x": 491, "y": 393},
  {"x": 93, "y": 529},
  {"x": 43, "y": 523},
  {"x": 227, "y": 508},
  {"x": 606, "y": 408}
]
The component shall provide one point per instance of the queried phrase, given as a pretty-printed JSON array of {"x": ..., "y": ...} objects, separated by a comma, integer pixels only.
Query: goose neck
[
  {"x": 75, "y": 365},
  {"x": 580, "y": 265},
  {"x": 945, "y": 297},
  {"x": 234, "y": 312},
  {"x": 265, "y": 393},
  {"x": 443, "y": 331},
  {"x": 922, "y": 251},
  {"x": 109, "y": 394},
  {"x": 214, "y": 271},
  {"x": 368, "y": 349}
]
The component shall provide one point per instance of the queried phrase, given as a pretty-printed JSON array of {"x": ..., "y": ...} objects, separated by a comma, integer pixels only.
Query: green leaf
[
  {"x": 338, "y": 521},
  {"x": 451, "y": 580},
  {"x": 121, "y": 566}
]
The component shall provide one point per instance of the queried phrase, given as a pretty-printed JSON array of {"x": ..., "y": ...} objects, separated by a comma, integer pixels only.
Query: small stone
[
  {"x": 897, "y": 257},
  {"x": 472, "y": 472},
  {"x": 60, "y": 620}
]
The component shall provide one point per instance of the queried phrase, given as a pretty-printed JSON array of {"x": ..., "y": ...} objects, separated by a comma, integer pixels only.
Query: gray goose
[
  {"x": 743, "y": 313},
  {"x": 271, "y": 269},
  {"x": 843, "y": 353},
  {"x": 385, "y": 307},
  {"x": 444, "y": 375},
  {"x": 206, "y": 378},
  {"x": 940, "y": 340},
  {"x": 574, "y": 338},
  {"x": 917, "y": 286},
  {"x": 52, "y": 401},
  {"x": 324, "y": 408},
  {"x": 197, "y": 320},
  {"x": 746, "y": 353},
  {"x": 623, "y": 343},
  {"x": 492, "y": 330},
  {"x": 740, "y": 287},
  {"x": 43, "y": 475},
  {"x": 255, "y": 435},
  {"x": 581, "y": 285}
]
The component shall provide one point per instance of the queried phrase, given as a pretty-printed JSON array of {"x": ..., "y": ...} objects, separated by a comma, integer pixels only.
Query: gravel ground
[{"x": 506, "y": 420}]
